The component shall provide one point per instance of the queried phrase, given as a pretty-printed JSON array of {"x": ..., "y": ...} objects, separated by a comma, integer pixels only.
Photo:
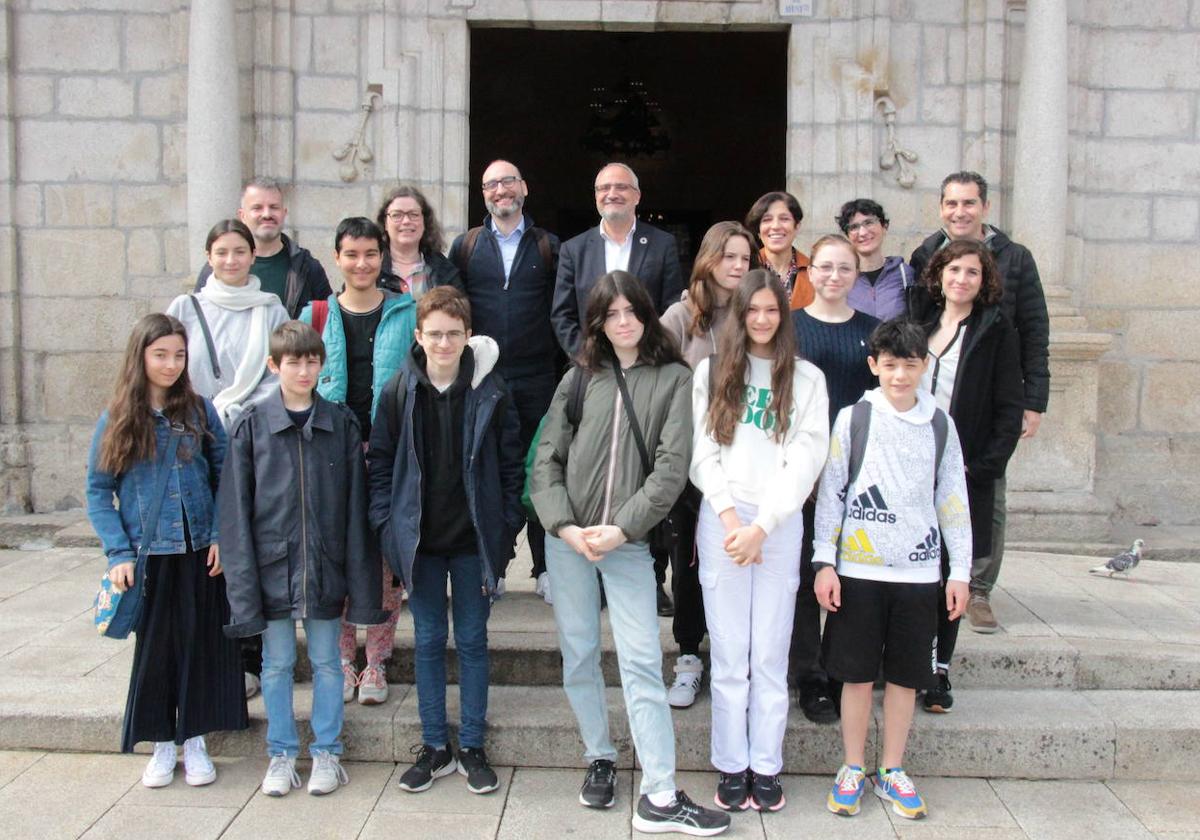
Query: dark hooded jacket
[{"x": 1024, "y": 303}]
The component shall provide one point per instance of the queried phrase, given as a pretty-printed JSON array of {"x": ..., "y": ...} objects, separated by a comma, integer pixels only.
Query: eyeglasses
[
  {"x": 405, "y": 215},
  {"x": 437, "y": 336},
  {"x": 854, "y": 227},
  {"x": 827, "y": 269},
  {"x": 601, "y": 189},
  {"x": 506, "y": 182}
]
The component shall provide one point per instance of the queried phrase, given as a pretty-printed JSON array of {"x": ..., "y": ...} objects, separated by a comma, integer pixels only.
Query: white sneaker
[
  {"x": 281, "y": 776},
  {"x": 253, "y": 685},
  {"x": 327, "y": 774},
  {"x": 198, "y": 767},
  {"x": 372, "y": 686},
  {"x": 500, "y": 588},
  {"x": 349, "y": 681},
  {"x": 689, "y": 672},
  {"x": 160, "y": 772},
  {"x": 543, "y": 587}
]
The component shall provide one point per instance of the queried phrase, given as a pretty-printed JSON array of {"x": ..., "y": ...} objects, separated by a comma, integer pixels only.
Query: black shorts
[{"x": 893, "y": 624}]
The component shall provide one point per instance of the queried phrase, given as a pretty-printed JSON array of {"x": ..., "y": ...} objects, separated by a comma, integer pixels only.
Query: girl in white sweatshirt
[{"x": 760, "y": 441}]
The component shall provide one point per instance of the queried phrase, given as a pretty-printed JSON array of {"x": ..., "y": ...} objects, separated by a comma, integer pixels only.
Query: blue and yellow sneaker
[
  {"x": 894, "y": 785},
  {"x": 847, "y": 791}
]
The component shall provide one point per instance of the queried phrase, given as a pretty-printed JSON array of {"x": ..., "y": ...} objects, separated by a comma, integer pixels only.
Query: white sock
[{"x": 662, "y": 799}]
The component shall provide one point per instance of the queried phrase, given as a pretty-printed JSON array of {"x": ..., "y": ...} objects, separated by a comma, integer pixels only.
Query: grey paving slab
[
  {"x": 15, "y": 762},
  {"x": 1005, "y": 661},
  {"x": 1160, "y": 805},
  {"x": 545, "y": 804},
  {"x": 1069, "y": 811},
  {"x": 57, "y": 599},
  {"x": 1109, "y": 664},
  {"x": 449, "y": 795},
  {"x": 82, "y": 788},
  {"x": 80, "y": 631},
  {"x": 805, "y": 815},
  {"x": 961, "y": 804},
  {"x": 298, "y": 815},
  {"x": 237, "y": 780},
  {"x": 16, "y": 633},
  {"x": 1157, "y": 732},
  {"x": 926, "y": 830},
  {"x": 158, "y": 822},
  {"x": 50, "y": 661},
  {"x": 421, "y": 825}
]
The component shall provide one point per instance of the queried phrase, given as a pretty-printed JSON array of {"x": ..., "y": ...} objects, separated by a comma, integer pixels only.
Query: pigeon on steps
[{"x": 1123, "y": 562}]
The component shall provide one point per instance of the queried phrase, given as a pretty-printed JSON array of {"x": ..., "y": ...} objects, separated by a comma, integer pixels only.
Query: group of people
[{"x": 791, "y": 433}]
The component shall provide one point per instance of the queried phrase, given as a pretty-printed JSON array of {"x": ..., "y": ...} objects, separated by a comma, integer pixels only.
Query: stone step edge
[{"x": 992, "y": 733}]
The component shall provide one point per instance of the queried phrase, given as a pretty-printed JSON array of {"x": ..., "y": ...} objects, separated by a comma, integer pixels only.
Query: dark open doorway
[{"x": 700, "y": 116}]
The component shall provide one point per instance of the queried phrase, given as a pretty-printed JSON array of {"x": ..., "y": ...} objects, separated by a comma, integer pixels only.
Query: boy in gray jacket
[{"x": 893, "y": 496}]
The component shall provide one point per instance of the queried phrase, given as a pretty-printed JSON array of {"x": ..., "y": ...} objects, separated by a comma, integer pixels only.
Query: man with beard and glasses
[{"x": 507, "y": 266}]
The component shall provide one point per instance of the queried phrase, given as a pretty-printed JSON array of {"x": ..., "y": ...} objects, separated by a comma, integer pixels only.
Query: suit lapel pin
[{"x": 642, "y": 241}]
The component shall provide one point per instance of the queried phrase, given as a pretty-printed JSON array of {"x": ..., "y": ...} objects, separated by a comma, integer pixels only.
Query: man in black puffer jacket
[{"x": 964, "y": 208}]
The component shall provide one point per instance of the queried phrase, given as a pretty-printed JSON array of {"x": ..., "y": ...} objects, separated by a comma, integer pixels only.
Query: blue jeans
[
  {"x": 471, "y": 607},
  {"x": 629, "y": 582},
  {"x": 279, "y": 660}
]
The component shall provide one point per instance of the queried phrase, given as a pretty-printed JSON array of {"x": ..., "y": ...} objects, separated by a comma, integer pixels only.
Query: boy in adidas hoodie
[{"x": 877, "y": 543}]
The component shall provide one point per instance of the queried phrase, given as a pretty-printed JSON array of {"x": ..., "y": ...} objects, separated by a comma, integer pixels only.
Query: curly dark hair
[
  {"x": 866, "y": 206},
  {"x": 432, "y": 239},
  {"x": 990, "y": 290},
  {"x": 657, "y": 347}
]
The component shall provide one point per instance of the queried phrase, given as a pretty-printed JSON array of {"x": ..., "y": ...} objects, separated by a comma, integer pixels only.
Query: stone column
[
  {"x": 1039, "y": 209},
  {"x": 214, "y": 164}
]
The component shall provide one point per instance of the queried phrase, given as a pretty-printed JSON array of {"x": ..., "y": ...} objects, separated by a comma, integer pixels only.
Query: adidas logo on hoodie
[
  {"x": 928, "y": 549},
  {"x": 869, "y": 506}
]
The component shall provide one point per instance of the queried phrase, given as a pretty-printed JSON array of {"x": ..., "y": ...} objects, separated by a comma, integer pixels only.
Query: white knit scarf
[{"x": 254, "y": 359}]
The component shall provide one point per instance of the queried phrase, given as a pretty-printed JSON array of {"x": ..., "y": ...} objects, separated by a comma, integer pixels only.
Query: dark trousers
[
  {"x": 531, "y": 396},
  {"x": 688, "y": 626},
  {"x": 187, "y": 676},
  {"x": 805, "y": 667},
  {"x": 947, "y": 632}
]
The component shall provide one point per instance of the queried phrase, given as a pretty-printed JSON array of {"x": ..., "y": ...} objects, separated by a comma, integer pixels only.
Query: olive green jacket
[{"x": 570, "y": 470}]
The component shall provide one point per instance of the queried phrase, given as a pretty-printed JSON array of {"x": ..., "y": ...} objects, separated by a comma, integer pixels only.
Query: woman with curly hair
[
  {"x": 974, "y": 373},
  {"x": 413, "y": 261}
]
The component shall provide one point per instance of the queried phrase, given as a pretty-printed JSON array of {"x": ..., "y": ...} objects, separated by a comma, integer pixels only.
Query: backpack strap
[
  {"x": 575, "y": 400},
  {"x": 463, "y": 256},
  {"x": 401, "y": 399},
  {"x": 543, "y": 246},
  {"x": 941, "y": 429},
  {"x": 320, "y": 314},
  {"x": 860, "y": 427},
  {"x": 208, "y": 339}
]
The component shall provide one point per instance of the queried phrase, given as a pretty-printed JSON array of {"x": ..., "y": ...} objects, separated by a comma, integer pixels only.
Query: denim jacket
[{"x": 190, "y": 492}]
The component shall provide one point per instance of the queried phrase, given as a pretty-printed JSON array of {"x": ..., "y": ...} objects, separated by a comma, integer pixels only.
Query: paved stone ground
[{"x": 67, "y": 795}]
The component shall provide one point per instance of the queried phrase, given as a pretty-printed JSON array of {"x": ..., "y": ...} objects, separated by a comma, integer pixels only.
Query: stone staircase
[{"x": 1091, "y": 678}]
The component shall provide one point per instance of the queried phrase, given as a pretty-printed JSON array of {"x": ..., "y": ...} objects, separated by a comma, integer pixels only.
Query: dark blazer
[
  {"x": 987, "y": 405},
  {"x": 653, "y": 259},
  {"x": 1024, "y": 303},
  {"x": 293, "y": 510}
]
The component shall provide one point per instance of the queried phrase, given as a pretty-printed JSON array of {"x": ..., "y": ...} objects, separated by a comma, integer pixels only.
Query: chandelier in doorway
[{"x": 624, "y": 122}]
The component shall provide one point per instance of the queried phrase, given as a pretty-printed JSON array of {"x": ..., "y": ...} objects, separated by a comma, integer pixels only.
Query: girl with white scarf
[{"x": 240, "y": 318}]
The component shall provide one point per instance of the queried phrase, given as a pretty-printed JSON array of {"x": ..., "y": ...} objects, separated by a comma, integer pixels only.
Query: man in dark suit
[{"x": 620, "y": 241}]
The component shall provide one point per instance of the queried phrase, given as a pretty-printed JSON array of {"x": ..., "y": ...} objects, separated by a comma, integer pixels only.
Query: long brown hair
[
  {"x": 431, "y": 239},
  {"x": 991, "y": 288},
  {"x": 656, "y": 347},
  {"x": 728, "y": 400},
  {"x": 129, "y": 436},
  {"x": 702, "y": 296}
]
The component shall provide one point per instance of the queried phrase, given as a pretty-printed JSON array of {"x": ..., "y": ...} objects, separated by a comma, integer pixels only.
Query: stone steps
[{"x": 992, "y": 733}]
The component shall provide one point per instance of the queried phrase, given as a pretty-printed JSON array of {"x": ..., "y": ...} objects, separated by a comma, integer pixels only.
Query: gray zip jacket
[{"x": 572, "y": 481}]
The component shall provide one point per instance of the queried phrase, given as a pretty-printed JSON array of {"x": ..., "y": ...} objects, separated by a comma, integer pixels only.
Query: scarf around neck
[{"x": 253, "y": 363}]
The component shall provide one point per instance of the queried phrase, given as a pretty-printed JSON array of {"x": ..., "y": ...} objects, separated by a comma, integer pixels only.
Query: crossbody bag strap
[
  {"x": 633, "y": 420},
  {"x": 160, "y": 492},
  {"x": 208, "y": 339}
]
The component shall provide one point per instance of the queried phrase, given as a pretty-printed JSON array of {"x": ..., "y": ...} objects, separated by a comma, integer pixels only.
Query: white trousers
[{"x": 749, "y": 610}]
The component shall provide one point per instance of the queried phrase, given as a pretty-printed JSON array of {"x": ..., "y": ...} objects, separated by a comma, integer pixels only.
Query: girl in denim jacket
[{"x": 186, "y": 679}]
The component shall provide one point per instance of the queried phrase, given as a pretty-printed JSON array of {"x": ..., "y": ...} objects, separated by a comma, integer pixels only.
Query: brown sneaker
[{"x": 980, "y": 615}]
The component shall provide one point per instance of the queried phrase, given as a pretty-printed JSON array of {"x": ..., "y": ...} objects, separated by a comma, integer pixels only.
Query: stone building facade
[{"x": 127, "y": 125}]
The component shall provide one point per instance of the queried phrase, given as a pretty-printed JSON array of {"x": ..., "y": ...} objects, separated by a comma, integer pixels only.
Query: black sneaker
[
  {"x": 473, "y": 763},
  {"x": 733, "y": 791},
  {"x": 939, "y": 700},
  {"x": 683, "y": 816},
  {"x": 665, "y": 608},
  {"x": 599, "y": 785},
  {"x": 817, "y": 704},
  {"x": 431, "y": 764},
  {"x": 766, "y": 794}
]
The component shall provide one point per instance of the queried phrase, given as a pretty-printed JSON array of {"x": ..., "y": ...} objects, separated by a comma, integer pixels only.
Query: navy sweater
[{"x": 840, "y": 351}]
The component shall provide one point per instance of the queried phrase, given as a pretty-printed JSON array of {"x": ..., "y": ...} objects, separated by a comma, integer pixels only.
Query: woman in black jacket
[
  {"x": 974, "y": 373},
  {"x": 413, "y": 261}
]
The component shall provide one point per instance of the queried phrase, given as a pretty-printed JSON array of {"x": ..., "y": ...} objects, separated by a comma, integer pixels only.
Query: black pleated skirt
[{"x": 187, "y": 676}]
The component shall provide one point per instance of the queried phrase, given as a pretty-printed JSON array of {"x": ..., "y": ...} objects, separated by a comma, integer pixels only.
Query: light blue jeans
[
  {"x": 629, "y": 583},
  {"x": 279, "y": 661}
]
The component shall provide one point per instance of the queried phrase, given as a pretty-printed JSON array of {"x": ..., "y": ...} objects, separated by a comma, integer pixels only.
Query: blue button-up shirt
[{"x": 508, "y": 245}]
